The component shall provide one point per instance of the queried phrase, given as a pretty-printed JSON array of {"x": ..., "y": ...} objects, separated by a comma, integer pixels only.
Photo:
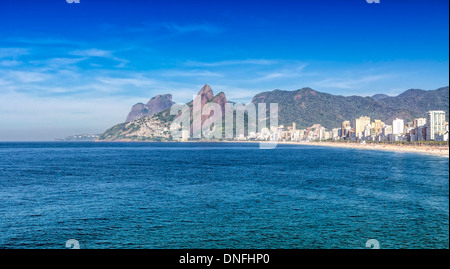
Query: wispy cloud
[
  {"x": 10, "y": 63},
  {"x": 13, "y": 52},
  {"x": 136, "y": 80},
  {"x": 189, "y": 28},
  {"x": 351, "y": 83},
  {"x": 283, "y": 73},
  {"x": 191, "y": 73},
  {"x": 32, "y": 41},
  {"x": 230, "y": 63},
  {"x": 94, "y": 52},
  {"x": 58, "y": 63},
  {"x": 19, "y": 77}
]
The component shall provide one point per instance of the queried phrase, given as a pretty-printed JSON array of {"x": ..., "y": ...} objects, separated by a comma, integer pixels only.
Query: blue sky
[{"x": 78, "y": 68}]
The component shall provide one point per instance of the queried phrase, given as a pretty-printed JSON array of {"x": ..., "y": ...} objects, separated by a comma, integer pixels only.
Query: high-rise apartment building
[
  {"x": 398, "y": 126},
  {"x": 420, "y": 122},
  {"x": 345, "y": 127},
  {"x": 435, "y": 123},
  {"x": 360, "y": 124},
  {"x": 377, "y": 127}
]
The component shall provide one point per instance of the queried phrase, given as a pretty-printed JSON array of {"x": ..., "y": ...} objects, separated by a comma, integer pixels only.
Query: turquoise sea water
[{"x": 219, "y": 195}]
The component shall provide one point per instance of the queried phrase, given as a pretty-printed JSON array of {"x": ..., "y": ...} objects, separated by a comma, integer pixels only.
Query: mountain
[
  {"x": 156, "y": 126},
  {"x": 155, "y": 105},
  {"x": 380, "y": 96},
  {"x": 207, "y": 96},
  {"x": 305, "y": 107},
  {"x": 411, "y": 93},
  {"x": 418, "y": 102}
]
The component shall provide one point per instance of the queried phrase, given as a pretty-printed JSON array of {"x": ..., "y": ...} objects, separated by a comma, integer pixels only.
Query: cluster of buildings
[{"x": 432, "y": 128}]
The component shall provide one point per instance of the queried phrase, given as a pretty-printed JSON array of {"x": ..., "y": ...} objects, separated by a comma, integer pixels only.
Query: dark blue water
[{"x": 219, "y": 195}]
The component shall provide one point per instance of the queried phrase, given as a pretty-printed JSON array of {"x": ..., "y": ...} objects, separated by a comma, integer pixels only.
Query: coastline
[
  {"x": 437, "y": 151},
  {"x": 430, "y": 150}
]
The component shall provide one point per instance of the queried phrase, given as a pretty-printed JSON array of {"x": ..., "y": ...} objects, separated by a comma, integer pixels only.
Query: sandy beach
[{"x": 426, "y": 149}]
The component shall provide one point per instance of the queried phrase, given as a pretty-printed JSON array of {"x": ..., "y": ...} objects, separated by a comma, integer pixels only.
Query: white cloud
[
  {"x": 189, "y": 28},
  {"x": 351, "y": 83},
  {"x": 10, "y": 63},
  {"x": 191, "y": 73},
  {"x": 92, "y": 53},
  {"x": 58, "y": 63},
  {"x": 230, "y": 62},
  {"x": 12, "y": 52},
  {"x": 286, "y": 72},
  {"x": 26, "y": 76},
  {"x": 137, "y": 80},
  {"x": 42, "y": 41}
]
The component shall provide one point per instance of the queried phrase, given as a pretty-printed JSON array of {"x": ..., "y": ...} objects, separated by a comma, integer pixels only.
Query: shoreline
[{"x": 429, "y": 150}]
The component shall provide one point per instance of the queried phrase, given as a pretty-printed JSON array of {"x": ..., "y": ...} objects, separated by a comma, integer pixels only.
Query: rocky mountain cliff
[
  {"x": 156, "y": 126},
  {"x": 154, "y": 105}
]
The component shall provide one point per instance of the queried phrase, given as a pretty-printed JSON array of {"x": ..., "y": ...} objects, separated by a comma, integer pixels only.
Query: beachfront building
[
  {"x": 360, "y": 125},
  {"x": 398, "y": 126},
  {"x": 409, "y": 131},
  {"x": 367, "y": 130},
  {"x": 264, "y": 135},
  {"x": 322, "y": 133},
  {"x": 345, "y": 129},
  {"x": 419, "y": 132},
  {"x": 295, "y": 136},
  {"x": 409, "y": 127},
  {"x": 435, "y": 124},
  {"x": 335, "y": 133},
  {"x": 377, "y": 127},
  {"x": 420, "y": 122},
  {"x": 442, "y": 136},
  {"x": 387, "y": 130}
]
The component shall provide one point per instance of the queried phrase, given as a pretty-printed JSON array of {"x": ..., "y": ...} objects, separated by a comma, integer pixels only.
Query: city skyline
[{"x": 417, "y": 130}]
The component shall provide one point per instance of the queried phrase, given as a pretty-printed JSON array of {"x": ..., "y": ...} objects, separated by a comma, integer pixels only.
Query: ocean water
[{"x": 219, "y": 195}]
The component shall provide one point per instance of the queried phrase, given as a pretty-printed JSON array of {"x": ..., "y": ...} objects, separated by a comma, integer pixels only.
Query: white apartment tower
[
  {"x": 398, "y": 126},
  {"x": 435, "y": 123},
  {"x": 360, "y": 125}
]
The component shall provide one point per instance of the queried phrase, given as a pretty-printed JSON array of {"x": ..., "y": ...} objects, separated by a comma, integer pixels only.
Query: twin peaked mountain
[
  {"x": 151, "y": 122},
  {"x": 305, "y": 107},
  {"x": 162, "y": 102},
  {"x": 155, "y": 105}
]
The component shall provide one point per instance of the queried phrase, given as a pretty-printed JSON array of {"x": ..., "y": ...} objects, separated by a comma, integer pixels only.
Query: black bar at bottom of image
[{"x": 227, "y": 258}]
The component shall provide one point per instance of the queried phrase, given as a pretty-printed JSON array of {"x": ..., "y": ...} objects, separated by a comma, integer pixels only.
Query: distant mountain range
[{"x": 305, "y": 107}]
